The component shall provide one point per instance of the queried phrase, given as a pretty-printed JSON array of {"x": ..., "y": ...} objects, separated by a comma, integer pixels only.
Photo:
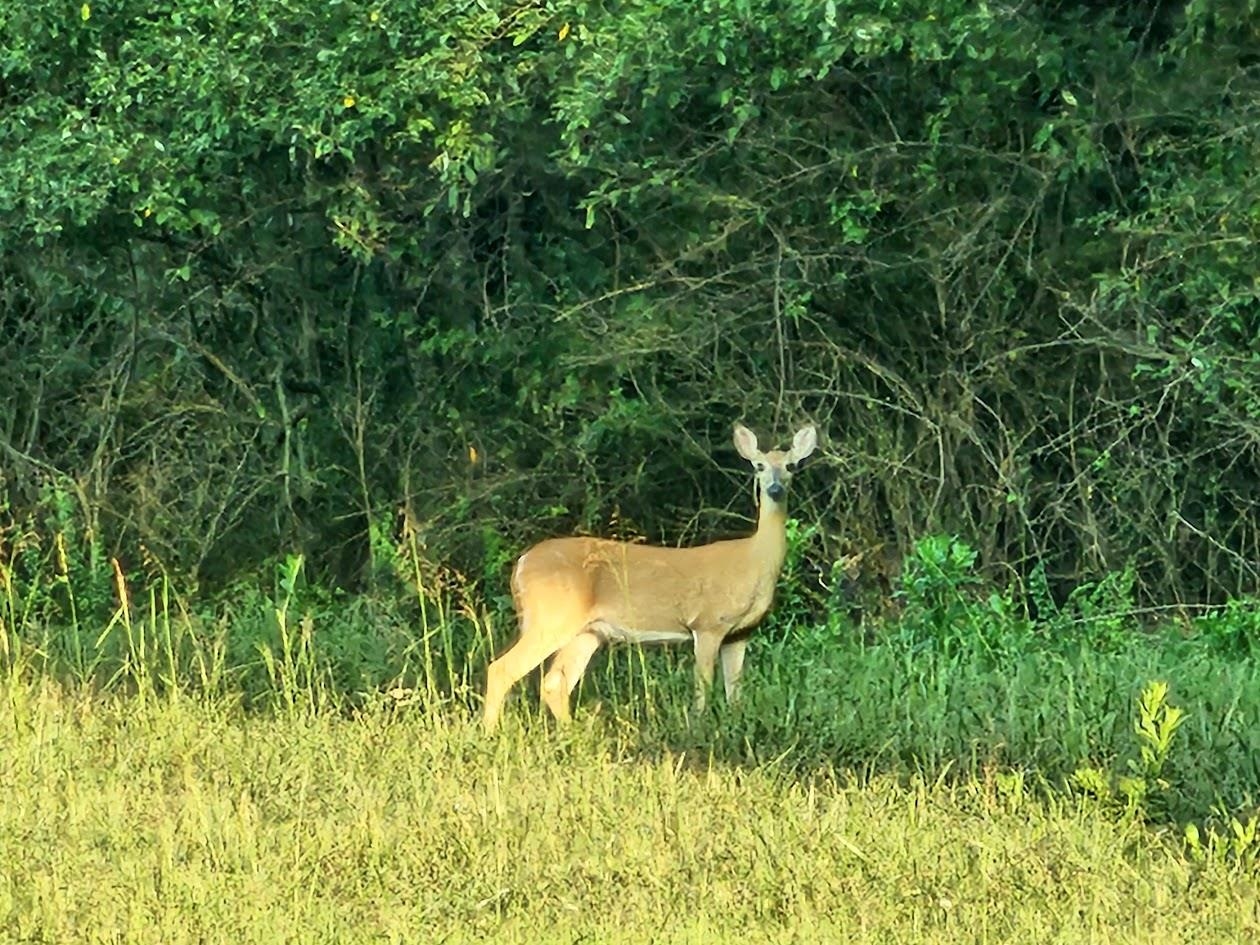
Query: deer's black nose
[{"x": 775, "y": 491}]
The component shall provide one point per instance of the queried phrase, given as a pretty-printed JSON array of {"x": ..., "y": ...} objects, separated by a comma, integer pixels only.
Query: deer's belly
[{"x": 612, "y": 633}]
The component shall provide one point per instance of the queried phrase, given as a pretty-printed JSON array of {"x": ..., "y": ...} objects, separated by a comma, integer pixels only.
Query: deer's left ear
[{"x": 804, "y": 443}]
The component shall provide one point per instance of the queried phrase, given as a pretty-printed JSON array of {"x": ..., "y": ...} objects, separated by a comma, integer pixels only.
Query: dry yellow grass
[{"x": 180, "y": 822}]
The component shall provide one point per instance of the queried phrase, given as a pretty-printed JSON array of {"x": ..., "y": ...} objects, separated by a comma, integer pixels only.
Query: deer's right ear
[{"x": 746, "y": 443}]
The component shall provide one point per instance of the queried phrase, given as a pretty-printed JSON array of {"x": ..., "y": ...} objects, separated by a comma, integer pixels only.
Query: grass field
[
  {"x": 177, "y": 820},
  {"x": 962, "y": 773}
]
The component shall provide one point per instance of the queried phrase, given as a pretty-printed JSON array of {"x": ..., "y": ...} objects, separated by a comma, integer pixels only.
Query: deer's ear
[
  {"x": 746, "y": 443},
  {"x": 804, "y": 443}
]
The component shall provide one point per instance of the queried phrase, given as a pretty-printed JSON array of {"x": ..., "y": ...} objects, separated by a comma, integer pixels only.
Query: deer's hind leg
[
  {"x": 504, "y": 673},
  {"x": 566, "y": 669},
  {"x": 533, "y": 646}
]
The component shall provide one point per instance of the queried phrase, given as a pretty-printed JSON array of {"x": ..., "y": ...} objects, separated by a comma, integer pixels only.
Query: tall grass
[{"x": 71, "y": 613}]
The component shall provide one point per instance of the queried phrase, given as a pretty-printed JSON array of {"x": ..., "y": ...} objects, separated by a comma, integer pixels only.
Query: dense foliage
[{"x": 277, "y": 276}]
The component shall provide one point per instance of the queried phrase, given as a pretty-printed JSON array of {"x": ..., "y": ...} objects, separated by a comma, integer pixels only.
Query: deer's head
[{"x": 774, "y": 468}]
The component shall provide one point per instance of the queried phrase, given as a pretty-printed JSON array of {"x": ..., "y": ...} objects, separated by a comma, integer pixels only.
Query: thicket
[{"x": 285, "y": 278}]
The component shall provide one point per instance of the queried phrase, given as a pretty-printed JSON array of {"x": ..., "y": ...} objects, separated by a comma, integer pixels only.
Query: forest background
[{"x": 282, "y": 283}]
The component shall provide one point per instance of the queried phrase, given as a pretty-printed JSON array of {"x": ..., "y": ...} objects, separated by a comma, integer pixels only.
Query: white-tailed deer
[{"x": 574, "y": 594}]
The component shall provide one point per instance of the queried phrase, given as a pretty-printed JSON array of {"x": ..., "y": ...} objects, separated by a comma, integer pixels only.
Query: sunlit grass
[{"x": 182, "y": 820}]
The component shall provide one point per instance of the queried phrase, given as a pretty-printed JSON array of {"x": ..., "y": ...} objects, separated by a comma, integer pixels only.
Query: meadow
[{"x": 962, "y": 771}]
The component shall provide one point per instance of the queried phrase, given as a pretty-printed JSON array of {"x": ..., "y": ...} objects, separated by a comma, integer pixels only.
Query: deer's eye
[
  {"x": 791, "y": 467},
  {"x": 760, "y": 467}
]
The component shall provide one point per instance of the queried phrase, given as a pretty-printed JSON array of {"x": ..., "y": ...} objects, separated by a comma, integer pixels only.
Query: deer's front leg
[
  {"x": 732, "y": 666},
  {"x": 707, "y": 645}
]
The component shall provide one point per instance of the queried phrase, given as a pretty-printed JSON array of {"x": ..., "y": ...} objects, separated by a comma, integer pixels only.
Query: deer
[{"x": 573, "y": 595}]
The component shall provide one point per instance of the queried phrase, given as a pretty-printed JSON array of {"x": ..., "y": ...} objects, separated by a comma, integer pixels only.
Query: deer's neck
[{"x": 769, "y": 542}]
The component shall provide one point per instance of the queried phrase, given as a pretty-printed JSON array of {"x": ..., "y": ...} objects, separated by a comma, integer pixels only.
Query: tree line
[{"x": 274, "y": 276}]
